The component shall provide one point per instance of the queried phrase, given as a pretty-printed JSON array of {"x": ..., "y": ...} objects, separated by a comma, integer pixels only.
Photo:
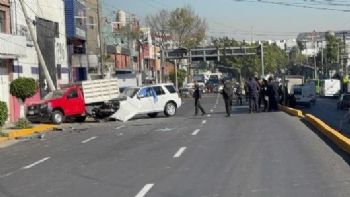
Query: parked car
[
  {"x": 344, "y": 101},
  {"x": 185, "y": 92},
  {"x": 150, "y": 100}
]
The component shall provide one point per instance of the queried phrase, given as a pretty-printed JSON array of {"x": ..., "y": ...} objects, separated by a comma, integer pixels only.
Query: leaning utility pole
[
  {"x": 37, "y": 48},
  {"x": 102, "y": 62}
]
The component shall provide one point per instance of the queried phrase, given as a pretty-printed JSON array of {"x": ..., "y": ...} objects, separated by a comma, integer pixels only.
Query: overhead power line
[{"x": 298, "y": 5}]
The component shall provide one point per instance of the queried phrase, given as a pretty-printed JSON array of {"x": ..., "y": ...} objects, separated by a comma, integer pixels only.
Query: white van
[
  {"x": 305, "y": 94},
  {"x": 330, "y": 87}
]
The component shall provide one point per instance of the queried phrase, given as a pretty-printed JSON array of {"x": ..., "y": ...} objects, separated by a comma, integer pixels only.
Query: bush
[
  {"x": 181, "y": 76},
  {"x": 3, "y": 113},
  {"x": 23, "y": 88},
  {"x": 23, "y": 123}
]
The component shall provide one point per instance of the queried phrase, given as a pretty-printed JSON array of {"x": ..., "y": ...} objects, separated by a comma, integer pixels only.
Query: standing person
[
  {"x": 271, "y": 95},
  {"x": 239, "y": 94},
  {"x": 264, "y": 96},
  {"x": 345, "y": 81},
  {"x": 227, "y": 94},
  {"x": 259, "y": 92},
  {"x": 253, "y": 92},
  {"x": 197, "y": 95}
]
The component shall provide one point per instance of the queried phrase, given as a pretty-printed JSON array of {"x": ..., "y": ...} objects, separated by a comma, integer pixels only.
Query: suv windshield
[
  {"x": 55, "y": 94},
  {"x": 130, "y": 92}
]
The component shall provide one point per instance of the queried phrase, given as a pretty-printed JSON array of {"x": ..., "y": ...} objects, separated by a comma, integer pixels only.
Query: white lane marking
[
  {"x": 208, "y": 115},
  {"x": 204, "y": 121},
  {"x": 211, "y": 110},
  {"x": 120, "y": 127},
  {"x": 88, "y": 140},
  {"x": 145, "y": 190},
  {"x": 36, "y": 163},
  {"x": 195, "y": 132},
  {"x": 6, "y": 175},
  {"x": 179, "y": 152}
]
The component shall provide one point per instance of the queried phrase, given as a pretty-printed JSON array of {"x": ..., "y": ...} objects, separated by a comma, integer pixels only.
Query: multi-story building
[
  {"x": 76, "y": 33},
  {"x": 119, "y": 37},
  {"x": 93, "y": 41},
  {"x": 11, "y": 48},
  {"x": 18, "y": 56}
]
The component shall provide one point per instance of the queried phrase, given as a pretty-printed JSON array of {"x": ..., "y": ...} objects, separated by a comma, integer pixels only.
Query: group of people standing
[
  {"x": 262, "y": 92},
  {"x": 257, "y": 92}
]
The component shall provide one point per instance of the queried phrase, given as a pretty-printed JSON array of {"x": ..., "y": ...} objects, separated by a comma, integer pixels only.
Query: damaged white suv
[{"x": 150, "y": 100}]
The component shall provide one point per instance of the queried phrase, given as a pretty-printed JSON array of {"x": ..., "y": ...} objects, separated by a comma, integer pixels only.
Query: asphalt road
[
  {"x": 247, "y": 155},
  {"x": 326, "y": 110}
]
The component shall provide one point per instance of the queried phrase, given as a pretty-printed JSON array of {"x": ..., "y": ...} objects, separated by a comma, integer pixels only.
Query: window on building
[
  {"x": 91, "y": 22},
  {"x": 2, "y": 21}
]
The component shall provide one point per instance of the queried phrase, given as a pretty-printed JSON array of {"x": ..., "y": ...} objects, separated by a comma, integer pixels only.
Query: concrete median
[
  {"x": 292, "y": 111},
  {"x": 16, "y": 133},
  {"x": 334, "y": 135}
]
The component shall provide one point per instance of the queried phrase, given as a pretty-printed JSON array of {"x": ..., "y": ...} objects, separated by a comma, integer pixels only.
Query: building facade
[
  {"x": 93, "y": 40},
  {"x": 76, "y": 32},
  {"x": 20, "y": 54}
]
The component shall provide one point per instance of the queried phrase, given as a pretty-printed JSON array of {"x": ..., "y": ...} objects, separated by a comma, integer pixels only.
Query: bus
[{"x": 330, "y": 87}]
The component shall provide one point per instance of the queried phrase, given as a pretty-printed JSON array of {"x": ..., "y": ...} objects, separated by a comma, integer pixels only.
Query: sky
[{"x": 247, "y": 19}]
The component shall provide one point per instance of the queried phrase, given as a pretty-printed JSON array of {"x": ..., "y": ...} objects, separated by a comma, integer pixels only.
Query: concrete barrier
[
  {"x": 26, "y": 132},
  {"x": 335, "y": 136},
  {"x": 292, "y": 111}
]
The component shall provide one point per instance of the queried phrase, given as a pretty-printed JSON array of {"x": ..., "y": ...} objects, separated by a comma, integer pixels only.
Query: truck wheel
[
  {"x": 170, "y": 109},
  {"x": 57, "y": 117},
  {"x": 80, "y": 119},
  {"x": 153, "y": 115}
]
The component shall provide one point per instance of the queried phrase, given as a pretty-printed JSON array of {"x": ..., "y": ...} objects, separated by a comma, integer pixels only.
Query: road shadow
[{"x": 332, "y": 145}]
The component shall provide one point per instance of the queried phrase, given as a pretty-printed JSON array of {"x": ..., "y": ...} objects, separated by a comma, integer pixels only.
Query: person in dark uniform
[
  {"x": 271, "y": 93},
  {"x": 239, "y": 94},
  {"x": 227, "y": 94},
  {"x": 253, "y": 91},
  {"x": 264, "y": 95},
  {"x": 197, "y": 95}
]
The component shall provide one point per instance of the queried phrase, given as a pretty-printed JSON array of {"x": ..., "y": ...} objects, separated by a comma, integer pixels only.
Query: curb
[
  {"x": 334, "y": 135},
  {"x": 26, "y": 132},
  {"x": 292, "y": 111}
]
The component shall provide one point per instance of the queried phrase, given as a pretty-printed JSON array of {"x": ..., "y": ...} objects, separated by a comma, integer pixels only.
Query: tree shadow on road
[{"x": 332, "y": 145}]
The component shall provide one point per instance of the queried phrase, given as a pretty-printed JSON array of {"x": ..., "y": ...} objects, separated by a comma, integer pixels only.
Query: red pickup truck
[{"x": 97, "y": 98}]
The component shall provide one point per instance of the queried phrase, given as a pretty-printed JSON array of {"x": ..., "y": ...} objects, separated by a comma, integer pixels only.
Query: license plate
[{"x": 31, "y": 112}]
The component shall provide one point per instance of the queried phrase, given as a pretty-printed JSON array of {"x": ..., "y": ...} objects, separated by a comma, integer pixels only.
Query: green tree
[
  {"x": 23, "y": 88},
  {"x": 187, "y": 29},
  {"x": 332, "y": 48},
  {"x": 181, "y": 76},
  {"x": 296, "y": 57},
  {"x": 3, "y": 113}
]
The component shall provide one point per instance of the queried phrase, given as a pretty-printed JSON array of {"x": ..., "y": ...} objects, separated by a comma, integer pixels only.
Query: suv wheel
[
  {"x": 170, "y": 109},
  {"x": 57, "y": 117}
]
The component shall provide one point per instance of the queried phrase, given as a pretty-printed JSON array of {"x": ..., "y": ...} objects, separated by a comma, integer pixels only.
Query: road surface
[
  {"x": 247, "y": 155},
  {"x": 326, "y": 110}
]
